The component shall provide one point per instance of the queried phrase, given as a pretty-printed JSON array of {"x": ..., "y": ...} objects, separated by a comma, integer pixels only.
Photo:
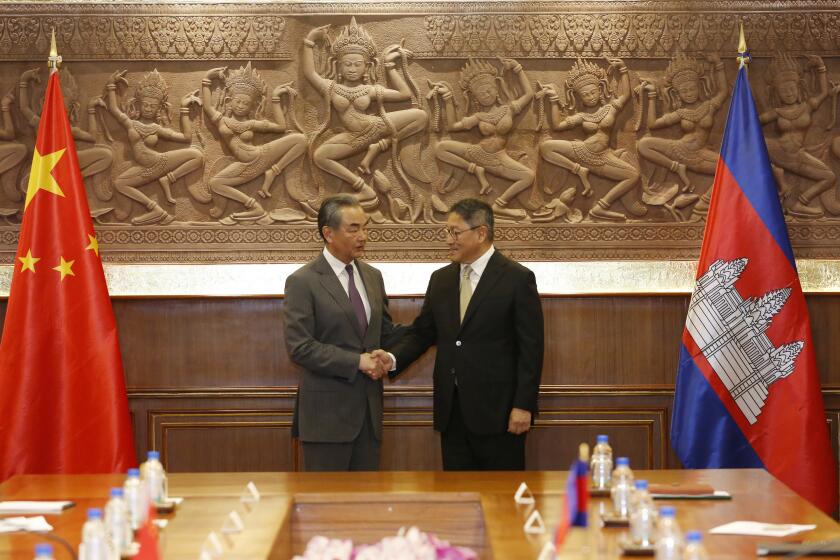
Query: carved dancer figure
[
  {"x": 11, "y": 152},
  {"x": 491, "y": 108},
  {"x": 587, "y": 85},
  {"x": 792, "y": 114},
  {"x": 93, "y": 160},
  {"x": 145, "y": 124},
  {"x": 241, "y": 117},
  {"x": 351, "y": 91},
  {"x": 692, "y": 105}
]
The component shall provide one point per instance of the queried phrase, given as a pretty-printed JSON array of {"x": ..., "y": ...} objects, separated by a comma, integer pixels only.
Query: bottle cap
[
  {"x": 622, "y": 462},
  {"x": 117, "y": 492},
  {"x": 43, "y": 549},
  {"x": 641, "y": 485},
  {"x": 694, "y": 536},
  {"x": 667, "y": 511},
  {"x": 94, "y": 513},
  {"x": 134, "y": 473},
  {"x": 603, "y": 439},
  {"x": 154, "y": 456}
]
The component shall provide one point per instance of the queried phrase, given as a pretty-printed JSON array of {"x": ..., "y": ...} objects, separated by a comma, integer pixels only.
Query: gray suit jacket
[{"x": 323, "y": 338}]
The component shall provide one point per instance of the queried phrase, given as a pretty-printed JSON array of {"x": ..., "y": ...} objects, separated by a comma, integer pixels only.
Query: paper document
[
  {"x": 714, "y": 495},
  {"x": 8, "y": 508},
  {"x": 754, "y": 528},
  {"x": 28, "y": 524}
]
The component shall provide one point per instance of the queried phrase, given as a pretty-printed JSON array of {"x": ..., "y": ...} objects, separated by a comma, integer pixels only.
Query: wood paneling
[{"x": 211, "y": 386}]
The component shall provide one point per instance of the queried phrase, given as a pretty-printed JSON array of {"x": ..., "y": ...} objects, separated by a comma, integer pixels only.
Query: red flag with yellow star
[{"x": 62, "y": 390}]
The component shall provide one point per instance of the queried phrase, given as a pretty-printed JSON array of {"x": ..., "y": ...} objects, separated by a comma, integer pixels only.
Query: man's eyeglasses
[{"x": 454, "y": 233}]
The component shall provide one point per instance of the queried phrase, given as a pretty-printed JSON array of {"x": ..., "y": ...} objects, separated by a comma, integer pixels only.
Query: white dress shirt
[
  {"x": 477, "y": 267},
  {"x": 341, "y": 271}
]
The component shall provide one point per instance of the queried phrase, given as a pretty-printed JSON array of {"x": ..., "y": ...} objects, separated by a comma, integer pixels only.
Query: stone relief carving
[
  {"x": 350, "y": 89},
  {"x": 146, "y": 121},
  {"x": 596, "y": 106},
  {"x": 12, "y": 154},
  {"x": 591, "y": 120},
  {"x": 792, "y": 112},
  {"x": 241, "y": 101},
  {"x": 692, "y": 95},
  {"x": 492, "y": 110}
]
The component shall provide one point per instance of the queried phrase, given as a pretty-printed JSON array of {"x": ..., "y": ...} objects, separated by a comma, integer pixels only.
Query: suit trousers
[
  {"x": 463, "y": 450},
  {"x": 361, "y": 454}
]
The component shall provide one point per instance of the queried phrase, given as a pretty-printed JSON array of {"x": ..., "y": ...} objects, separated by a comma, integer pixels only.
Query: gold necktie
[{"x": 466, "y": 291}]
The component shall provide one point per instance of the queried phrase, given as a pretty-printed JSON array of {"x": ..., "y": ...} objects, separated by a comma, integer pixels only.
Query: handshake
[{"x": 376, "y": 364}]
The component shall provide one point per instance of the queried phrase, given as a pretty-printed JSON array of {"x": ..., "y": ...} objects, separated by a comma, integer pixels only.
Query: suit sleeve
[
  {"x": 305, "y": 350},
  {"x": 529, "y": 338},
  {"x": 418, "y": 337}
]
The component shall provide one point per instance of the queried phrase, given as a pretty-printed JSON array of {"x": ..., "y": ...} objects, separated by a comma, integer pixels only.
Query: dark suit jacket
[
  {"x": 323, "y": 338},
  {"x": 496, "y": 354}
]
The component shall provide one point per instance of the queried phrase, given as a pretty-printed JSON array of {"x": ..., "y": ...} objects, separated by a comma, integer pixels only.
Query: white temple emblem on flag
[{"x": 730, "y": 332}]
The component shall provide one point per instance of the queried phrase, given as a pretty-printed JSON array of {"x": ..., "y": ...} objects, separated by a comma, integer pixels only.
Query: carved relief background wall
[{"x": 211, "y": 131}]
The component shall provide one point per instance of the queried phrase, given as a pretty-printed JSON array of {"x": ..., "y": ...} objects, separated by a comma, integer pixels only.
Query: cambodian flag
[
  {"x": 748, "y": 390},
  {"x": 576, "y": 502}
]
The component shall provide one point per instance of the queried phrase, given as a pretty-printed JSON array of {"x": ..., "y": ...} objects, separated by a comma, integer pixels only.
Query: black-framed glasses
[{"x": 454, "y": 233}]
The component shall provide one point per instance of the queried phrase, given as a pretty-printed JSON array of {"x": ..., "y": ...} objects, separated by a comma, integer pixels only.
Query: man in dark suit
[
  {"x": 336, "y": 313},
  {"x": 483, "y": 312}
]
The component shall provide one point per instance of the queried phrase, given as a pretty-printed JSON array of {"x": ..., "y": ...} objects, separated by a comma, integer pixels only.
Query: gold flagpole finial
[
  {"x": 54, "y": 60},
  {"x": 743, "y": 52},
  {"x": 583, "y": 452}
]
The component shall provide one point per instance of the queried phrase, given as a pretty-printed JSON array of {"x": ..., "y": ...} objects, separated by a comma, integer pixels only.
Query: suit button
[
  {"x": 452, "y": 371},
  {"x": 457, "y": 343}
]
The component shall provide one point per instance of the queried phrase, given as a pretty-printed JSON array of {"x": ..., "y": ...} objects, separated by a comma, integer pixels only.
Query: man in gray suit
[{"x": 336, "y": 313}]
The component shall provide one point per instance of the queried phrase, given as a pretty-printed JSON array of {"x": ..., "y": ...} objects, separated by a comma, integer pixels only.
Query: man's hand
[
  {"x": 384, "y": 359},
  {"x": 520, "y": 421},
  {"x": 370, "y": 366}
]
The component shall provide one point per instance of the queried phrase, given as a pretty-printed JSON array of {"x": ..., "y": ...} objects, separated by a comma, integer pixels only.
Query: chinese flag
[{"x": 63, "y": 405}]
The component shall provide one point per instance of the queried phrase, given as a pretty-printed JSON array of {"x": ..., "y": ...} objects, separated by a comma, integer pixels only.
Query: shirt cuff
[{"x": 393, "y": 362}]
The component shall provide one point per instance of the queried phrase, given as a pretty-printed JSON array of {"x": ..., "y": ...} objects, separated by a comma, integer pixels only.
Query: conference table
[{"x": 474, "y": 509}]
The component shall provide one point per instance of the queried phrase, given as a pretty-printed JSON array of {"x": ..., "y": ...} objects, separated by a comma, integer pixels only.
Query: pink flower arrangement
[{"x": 409, "y": 544}]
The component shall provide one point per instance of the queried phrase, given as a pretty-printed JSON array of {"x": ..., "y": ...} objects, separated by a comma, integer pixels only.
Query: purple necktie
[{"x": 356, "y": 300}]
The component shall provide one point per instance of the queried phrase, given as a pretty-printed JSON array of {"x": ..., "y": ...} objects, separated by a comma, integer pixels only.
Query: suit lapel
[
  {"x": 375, "y": 302},
  {"x": 451, "y": 296},
  {"x": 332, "y": 286},
  {"x": 492, "y": 273}
]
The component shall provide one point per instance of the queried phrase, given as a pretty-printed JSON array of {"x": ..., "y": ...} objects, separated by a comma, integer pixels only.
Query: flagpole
[
  {"x": 54, "y": 60},
  {"x": 744, "y": 57}
]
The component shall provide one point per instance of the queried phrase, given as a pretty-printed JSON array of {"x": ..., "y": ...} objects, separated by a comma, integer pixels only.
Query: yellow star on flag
[
  {"x": 65, "y": 268},
  {"x": 28, "y": 262},
  {"x": 93, "y": 245},
  {"x": 40, "y": 177}
]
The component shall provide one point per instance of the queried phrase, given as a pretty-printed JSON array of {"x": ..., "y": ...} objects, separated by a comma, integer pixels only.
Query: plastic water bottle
[
  {"x": 44, "y": 551},
  {"x": 602, "y": 463},
  {"x": 117, "y": 522},
  {"x": 694, "y": 549},
  {"x": 642, "y": 515},
  {"x": 155, "y": 477},
  {"x": 669, "y": 543},
  {"x": 94, "y": 545},
  {"x": 622, "y": 487},
  {"x": 136, "y": 497}
]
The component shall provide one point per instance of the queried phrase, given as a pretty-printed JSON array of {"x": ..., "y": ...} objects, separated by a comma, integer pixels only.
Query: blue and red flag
[
  {"x": 748, "y": 390},
  {"x": 573, "y": 512}
]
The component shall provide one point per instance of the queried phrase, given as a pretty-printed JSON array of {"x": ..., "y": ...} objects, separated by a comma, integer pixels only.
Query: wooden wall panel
[
  {"x": 224, "y": 440},
  {"x": 211, "y": 386}
]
